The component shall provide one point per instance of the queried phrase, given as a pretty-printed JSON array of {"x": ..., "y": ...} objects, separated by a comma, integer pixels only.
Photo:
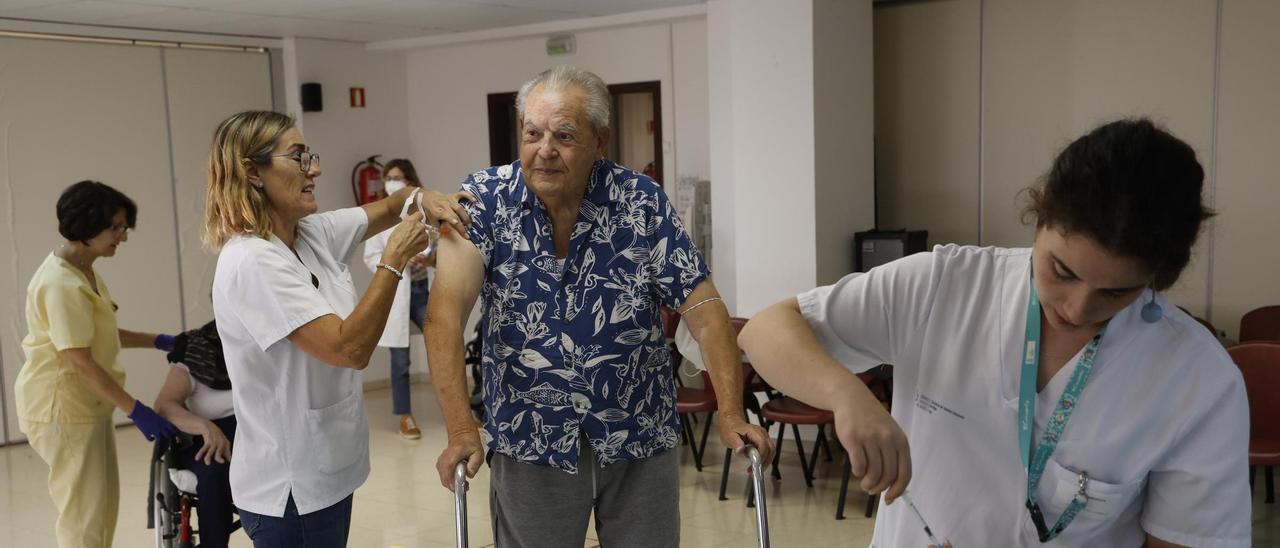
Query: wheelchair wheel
[
  {"x": 172, "y": 507},
  {"x": 166, "y": 501}
]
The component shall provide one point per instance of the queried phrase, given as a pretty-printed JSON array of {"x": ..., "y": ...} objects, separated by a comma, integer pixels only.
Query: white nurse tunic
[
  {"x": 301, "y": 424},
  {"x": 1162, "y": 428}
]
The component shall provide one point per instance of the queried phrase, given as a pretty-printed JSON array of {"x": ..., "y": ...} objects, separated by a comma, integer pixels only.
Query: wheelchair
[{"x": 172, "y": 503}]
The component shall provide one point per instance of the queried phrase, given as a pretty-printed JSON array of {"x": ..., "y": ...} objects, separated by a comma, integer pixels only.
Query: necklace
[{"x": 66, "y": 256}]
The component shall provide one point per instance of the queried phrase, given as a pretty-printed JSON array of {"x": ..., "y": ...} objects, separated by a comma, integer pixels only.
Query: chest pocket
[{"x": 1107, "y": 501}]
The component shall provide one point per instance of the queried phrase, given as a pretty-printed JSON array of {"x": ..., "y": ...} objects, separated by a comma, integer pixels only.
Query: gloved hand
[
  {"x": 153, "y": 426},
  {"x": 164, "y": 342}
]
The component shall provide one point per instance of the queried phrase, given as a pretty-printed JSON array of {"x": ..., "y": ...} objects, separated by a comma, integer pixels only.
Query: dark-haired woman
[
  {"x": 71, "y": 381},
  {"x": 410, "y": 304},
  {"x": 1048, "y": 396}
]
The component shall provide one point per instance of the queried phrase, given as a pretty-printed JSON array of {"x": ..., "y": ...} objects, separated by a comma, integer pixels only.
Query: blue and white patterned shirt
[{"x": 582, "y": 352}]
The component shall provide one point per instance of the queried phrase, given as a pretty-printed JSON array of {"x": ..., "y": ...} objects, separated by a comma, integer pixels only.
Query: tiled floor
[{"x": 403, "y": 505}]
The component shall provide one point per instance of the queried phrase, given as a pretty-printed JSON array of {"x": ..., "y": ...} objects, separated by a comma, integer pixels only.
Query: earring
[{"x": 1151, "y": 312}]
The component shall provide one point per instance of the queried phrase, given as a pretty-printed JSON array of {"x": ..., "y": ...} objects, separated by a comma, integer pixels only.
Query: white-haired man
[{"x": 573, "y": 255}]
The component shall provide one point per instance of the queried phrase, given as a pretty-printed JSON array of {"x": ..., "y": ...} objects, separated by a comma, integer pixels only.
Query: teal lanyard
[{"x": 1034, "y": 462}]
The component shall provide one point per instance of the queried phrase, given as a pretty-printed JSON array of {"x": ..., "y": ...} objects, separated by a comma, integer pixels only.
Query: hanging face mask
[
  {"x": 393, "y": 186},
  {"x": 415, "y": 199}
]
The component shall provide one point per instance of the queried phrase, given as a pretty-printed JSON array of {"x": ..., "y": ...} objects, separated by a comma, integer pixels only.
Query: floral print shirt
[{"x": 575, "y": 346}]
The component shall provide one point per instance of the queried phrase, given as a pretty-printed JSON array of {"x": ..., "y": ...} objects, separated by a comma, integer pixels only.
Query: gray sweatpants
[{"x": 636, "y": 503}]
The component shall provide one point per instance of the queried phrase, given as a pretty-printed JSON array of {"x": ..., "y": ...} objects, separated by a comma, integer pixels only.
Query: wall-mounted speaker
[{"x": 312, "y": 101}]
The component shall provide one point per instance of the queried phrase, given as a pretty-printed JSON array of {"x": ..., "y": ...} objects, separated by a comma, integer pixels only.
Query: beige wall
[
  {"x": 204, "y": 88},
  {"x": 1054, "y": 70},
  {"x": 74, "y": 111},
  {"x": 843, "y": 122},
  {"x": 1050, "y": 71},
  {"x": 446, "y": 92},
  {"x": 689, "y": 91},
  {"x": 926, "y": 111},
  {"x": 1246, "y": 259}
]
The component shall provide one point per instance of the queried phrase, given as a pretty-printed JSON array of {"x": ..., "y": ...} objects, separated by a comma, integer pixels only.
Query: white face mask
[{"x": 393, "y": 186}]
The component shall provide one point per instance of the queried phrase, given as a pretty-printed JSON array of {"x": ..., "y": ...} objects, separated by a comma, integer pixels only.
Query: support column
[{"x": 791, "y": 122}]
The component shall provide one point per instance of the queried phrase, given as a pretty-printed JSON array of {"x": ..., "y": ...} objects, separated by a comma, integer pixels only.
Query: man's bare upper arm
[{"x": 459, "y": 275}]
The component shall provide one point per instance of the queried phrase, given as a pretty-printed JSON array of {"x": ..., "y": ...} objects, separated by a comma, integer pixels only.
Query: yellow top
[{"x": 64, "y": 312}]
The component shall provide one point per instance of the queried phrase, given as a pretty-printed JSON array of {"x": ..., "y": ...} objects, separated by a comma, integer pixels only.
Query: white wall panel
[
  {"x": 73, "y": 111},
  {"x": 204, "y": 88}
]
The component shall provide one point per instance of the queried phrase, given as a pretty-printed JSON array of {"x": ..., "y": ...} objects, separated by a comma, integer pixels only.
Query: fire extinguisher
[{"x": 366, "y": 180}]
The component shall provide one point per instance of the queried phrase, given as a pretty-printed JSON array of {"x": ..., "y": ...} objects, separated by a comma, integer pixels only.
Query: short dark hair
[
  {"x": 85, "y": 210},
  {"x": 1132, "y": 187},
  {"x": 404, "y": 165}
]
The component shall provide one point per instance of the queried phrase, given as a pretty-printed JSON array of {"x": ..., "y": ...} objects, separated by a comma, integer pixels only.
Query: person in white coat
[
  {"x": 410, "y": 304},
  {"x": 1047, "y": 396},
  {"x": 295, "y": 333}
]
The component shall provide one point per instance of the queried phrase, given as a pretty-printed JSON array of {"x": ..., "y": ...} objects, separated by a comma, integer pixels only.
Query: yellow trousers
[{"x": 84, "y": 479}]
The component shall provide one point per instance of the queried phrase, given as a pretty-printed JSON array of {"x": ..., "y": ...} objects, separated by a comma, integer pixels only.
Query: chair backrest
[
  {"x": 1259, "y": 363},
  {"x": 738, "y": 324},
  {"x": 1261, "y": 324},
  {"x": 707, "y": 385}
]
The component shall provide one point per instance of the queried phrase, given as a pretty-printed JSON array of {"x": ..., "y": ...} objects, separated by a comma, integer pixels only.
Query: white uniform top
[
  {"x": 205, "y": 402},
  {"x": 301, "y": 424},
  {"x": 396, "y": 332},
  {"x": 1162, "y": 427}
]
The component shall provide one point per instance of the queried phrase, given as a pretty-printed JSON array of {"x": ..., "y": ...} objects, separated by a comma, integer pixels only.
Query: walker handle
[
  {"x": 460, "y": 487},
  {"x": 757, "y": 481}
]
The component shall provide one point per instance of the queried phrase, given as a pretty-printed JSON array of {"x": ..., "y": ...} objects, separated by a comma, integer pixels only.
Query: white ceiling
[{"x": 355, "y": 20}]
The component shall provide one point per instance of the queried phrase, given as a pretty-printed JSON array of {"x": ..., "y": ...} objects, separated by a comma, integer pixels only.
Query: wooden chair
[
  {"x": 1259, "y": 363},
  {"x": 1261, "y": 324}
]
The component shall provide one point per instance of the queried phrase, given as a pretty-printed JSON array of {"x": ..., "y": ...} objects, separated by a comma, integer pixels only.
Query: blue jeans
[
  {"x": 400, "y": 356},
  {"x": 327, "y": 528}
]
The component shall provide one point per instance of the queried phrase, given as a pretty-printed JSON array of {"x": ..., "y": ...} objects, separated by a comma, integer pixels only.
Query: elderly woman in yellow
[{"x": 71, "y": 379}]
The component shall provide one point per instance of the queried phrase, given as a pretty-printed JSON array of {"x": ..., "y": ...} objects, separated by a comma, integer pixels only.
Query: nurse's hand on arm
[
  {"x": 151, "y": 425},
  {"x": 349, "y": 343},
  {"x": 169, "y": 404},
  {"x": 439, "y": 207},
  {"x": 459, "y": 274},
  {"x": 139, "y": 339},
  {"x": 785, "y": 351},
  {"x": 709, "y": 325}
]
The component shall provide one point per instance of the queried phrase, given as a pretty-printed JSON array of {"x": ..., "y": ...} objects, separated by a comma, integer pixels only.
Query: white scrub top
[
  {"x": 205, "y": 402},
  {"x": 1162, "y": 427},
  {"x": 301, "y": 424},
  {"x": 396, "y": 332}
]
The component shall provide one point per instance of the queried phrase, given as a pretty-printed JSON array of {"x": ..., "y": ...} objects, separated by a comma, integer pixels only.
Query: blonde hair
[{"x": 232, "y": 205}]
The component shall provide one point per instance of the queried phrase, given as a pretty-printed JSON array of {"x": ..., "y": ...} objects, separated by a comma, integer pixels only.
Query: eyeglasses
[
  {"x": 121, "y": 230},
  {"x": 304, "y": 159}
]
